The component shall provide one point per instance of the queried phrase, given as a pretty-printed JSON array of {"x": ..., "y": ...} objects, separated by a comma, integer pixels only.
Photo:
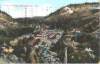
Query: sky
[{"x": 35, "y": 7}]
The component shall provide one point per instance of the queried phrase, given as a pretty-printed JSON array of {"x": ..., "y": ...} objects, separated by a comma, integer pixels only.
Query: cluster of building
[{"x": 23, "y": 48}]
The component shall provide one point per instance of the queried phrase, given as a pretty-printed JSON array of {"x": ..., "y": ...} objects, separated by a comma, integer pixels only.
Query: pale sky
[{"x": 35, "y": 7}]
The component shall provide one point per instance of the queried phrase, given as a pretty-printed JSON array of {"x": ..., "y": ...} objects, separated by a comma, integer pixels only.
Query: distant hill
[
  {"x": 83, "y": 16},
  {"x": 6, "y": 21},
  {"x": 28, "y": 20}
]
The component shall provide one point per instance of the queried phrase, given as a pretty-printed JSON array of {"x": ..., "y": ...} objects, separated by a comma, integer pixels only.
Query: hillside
[
  {"x": 83, "y": 16},
  {"x": 10, "y": 29},
  {"x": 6, "y": 21}
]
